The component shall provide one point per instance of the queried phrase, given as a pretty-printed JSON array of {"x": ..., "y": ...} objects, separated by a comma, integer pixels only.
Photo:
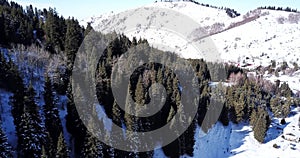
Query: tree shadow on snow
[
  {"x": 275, "y": 130},
  {"x": 238, "y": 135}
]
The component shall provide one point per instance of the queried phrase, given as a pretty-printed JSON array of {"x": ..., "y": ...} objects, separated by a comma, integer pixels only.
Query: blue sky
[{"x": 86, "y": 8}]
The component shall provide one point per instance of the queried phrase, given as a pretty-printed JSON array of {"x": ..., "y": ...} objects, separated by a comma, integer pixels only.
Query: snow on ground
[
  {"x": 262, "y": 40},
  {"x": 293, "y": 80},
  {"x": 158, "y": 153},
  {"x": 187, "y": 8},
  {"x": 214, "y": 144},
  {"x": 288, "y": 149},
  {"x": 238, "y": 140},
  {"x": 157, "y": 30},
  {"x": 62, "y": 107},
  {"x": 7, "y": 121},
  {"x": 257, "y": 38},
  {"x": 260, "y": 36}
]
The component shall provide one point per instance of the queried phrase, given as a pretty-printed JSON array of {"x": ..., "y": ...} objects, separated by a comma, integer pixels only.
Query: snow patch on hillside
[{"x": 237, "y": 140}]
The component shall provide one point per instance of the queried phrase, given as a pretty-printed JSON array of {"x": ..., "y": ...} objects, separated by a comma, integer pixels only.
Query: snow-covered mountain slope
[
  {"x": 238, "y": 140},
  {"x": 205, "y": 16},
  {"x": 273, "y": 36},
  {"x": 260, "y": 35},
  {"x": 254, "y": 39},
  {"x": 153, "y": 23}
]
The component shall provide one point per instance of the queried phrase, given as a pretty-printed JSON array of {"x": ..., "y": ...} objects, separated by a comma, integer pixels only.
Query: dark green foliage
[
  {"x": 286, "y": 108},
  {"x": 138, "y": 89},
  {"x": 261, "y": 124},
  {"x": 244, "y": 99},
  {"x": 54, "y": 29},
  {"x": 284, "y": 66},
  {"x": 9, "y": 75},
  {"x": 276, "y": 106},
  {"x": 232, "y": 13},
  {"x": 217, "y": 72},
  {"x": 288, "y": 9},
  {"x": 2, "y": 30},
  {"x": 224, "y": 119},
  {"x": 62, "y": 150},
  {"x": 52, "y": 120},
  {"x": 242, "y": 102},
  {"x": 74, "y": 124},
  {"x": 74, "y": 37},
  {"x": 232, "y": 69},
  {"x": 253, "y": 118},
  {"x": 296, "y": 66},
  {"x": 92, "y": 147},
  {"x": 31, "y": 133},
  {"x": 273, "y": 63},
  {"x": 5, "y": 148},
  {"x": 285, "y": 90},
  {"x": 88, "y": 29}
]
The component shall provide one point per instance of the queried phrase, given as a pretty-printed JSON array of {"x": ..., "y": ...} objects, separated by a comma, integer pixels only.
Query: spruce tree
[
  {"x": 240, "y": 108},
  {"x": 2, "y": 30},
  {"x": 5, "y": 148},
  {"x": 286, "y": 108},
  {"x": 31, "y": 133},
  {"x": 91, "y": 148},
  {"x": 62, "y": 149},
  {"x": 275, "y": 105},
  {"x": 261, "y": 126},
  {"x": 52, "y": 120},
  {"x": 253, "y": 118},
  {"x": 285, "y": 90},
  {"x": 74, "y": 37},
  {"x": 88, "y": 29}
]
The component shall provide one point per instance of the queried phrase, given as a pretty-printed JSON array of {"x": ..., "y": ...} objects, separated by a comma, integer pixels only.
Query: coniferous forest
[{"x": 39, "y": 128}]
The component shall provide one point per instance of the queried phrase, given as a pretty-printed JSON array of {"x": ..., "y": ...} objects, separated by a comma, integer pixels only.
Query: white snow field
[{"x": 255, "y": 39}]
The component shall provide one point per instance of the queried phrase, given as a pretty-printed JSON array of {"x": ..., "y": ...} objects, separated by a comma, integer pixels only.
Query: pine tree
[
  {"x": 224, "y": 119},
  {"x": 88, "y": 29},
  {"x": 240, "y": 108},
  {"x": 52, "y": 120},
  {"x": 285, "y": 90},
  {"x": 73, "y": 123},
  {"x": 134, "y": 42},
  {"x": 62, "y": 149},
  {"x": 286, "y": 108},
  {"x": 5, "y": 148},
  {"x": 2, "y": 30},
  {"x": 275, "y": 106},
  {"x": 92, "y": 147},
  {"x": 74, "y": 37},
  {"x": 18, "y": 104},
  {"x": 261, "y": 126},
  {"x": 139, "y": 92},
  {"x": 117, "y": 116},
  {"x": 253, "y": 118},
  {"x": 31, "y": 133}
]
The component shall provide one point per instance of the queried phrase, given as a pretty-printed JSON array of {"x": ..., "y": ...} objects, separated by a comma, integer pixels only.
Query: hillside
[
  {"x": 242, "y": 100},
  {"x": 271, "y": 33},
  {"x": 249, "y": 41},
  {"x": 252, "y": 40}
]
